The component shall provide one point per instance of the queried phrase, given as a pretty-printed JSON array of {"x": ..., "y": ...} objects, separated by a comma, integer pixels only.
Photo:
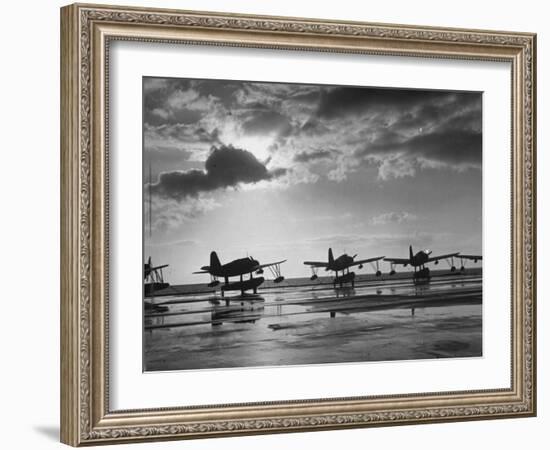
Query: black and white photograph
[{"x": 293, "y": 224}]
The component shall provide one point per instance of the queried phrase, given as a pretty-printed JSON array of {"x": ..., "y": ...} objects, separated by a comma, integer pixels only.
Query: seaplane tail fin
[
  {"x": 330, "y": 257},
  {"x": 410, "y": 252},
  {"x": 214, "y": 261}
]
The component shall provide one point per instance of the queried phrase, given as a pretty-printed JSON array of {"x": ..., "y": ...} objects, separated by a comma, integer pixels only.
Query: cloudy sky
[{"x": 280, "y": 171}]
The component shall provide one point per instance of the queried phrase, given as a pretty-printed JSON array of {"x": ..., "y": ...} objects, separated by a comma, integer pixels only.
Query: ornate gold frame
[{"x": 86, "y": 31}]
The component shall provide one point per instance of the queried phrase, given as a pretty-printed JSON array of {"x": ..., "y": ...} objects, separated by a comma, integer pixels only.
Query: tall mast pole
[{"x": 150, "y": 212}]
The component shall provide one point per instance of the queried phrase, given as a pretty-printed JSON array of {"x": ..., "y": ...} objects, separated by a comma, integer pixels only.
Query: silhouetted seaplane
[
  {"x": 420, "y": 259},
  {"x": 238, "y": 268},
  {"x": 342, "y": 263},
  {"x": 153, "y": 277}
]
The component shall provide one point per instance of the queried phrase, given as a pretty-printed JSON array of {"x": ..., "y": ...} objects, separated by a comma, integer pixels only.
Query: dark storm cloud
[
  {"x": 225, "y": 167},
  {"x": 313, "y": 126},
  {"x": 156, "y": 90},
  {"x": 265, "y": 122},
  {"x": 453, "y": 147},
  {"x": 421, "y": 104},
  {"x": 469, "y": 119},
  {"x": 181, "y": 116},
  {"x": 190, "y": 133},
  {"x": 223, "y": 90},
  {"x": 399, "y": 130},
  {"x": 454, "y": 140},
  {"x": 155, "y": 94},
  {"x": 343, "y": 101},
  {"x": 444, "y": 131},
  {"x": 310, "y": 97},
  {"x": 179, "y": 135},
  {"x": 454, "y": 111},
  {"x": 160, "y": 105},
  {"x": 305, "y": 157}
]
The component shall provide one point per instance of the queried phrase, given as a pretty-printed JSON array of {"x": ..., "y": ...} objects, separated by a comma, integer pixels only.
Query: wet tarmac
[{"x": 313, "y": 323}]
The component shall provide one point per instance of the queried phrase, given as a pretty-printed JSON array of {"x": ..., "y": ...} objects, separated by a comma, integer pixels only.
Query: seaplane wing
[
  {"x": 437, "y": 258},
  {"x": 398, "y": 260},
  {"x": 316, "y": 263},
  {"x": 201, "y": 271},
  {"x": 473, "y": 257},
  {"x": 261, "y": 266},
  {"x": 363, "y": 261}
]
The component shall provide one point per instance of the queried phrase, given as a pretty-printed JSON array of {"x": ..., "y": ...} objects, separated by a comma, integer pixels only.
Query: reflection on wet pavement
[{"x": 313, "y": 324}]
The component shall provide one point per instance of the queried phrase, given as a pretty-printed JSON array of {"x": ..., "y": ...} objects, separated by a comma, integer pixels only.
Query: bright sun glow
[{"x": 257, "y": 145}]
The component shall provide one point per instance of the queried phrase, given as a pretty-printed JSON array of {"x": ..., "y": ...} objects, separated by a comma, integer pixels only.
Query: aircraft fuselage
[
  {"x": 340, "y": 263},
  {"x": 238, "y": 268},
  {"x": 235, "y": 268},
  {"x": 420, "y": 258}
]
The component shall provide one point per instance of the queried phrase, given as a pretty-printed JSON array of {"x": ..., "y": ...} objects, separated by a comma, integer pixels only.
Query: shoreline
[{"x": 202, "y": 288}]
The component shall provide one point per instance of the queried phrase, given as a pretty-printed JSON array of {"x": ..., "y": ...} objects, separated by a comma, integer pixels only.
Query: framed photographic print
[{"x": 275, "y": 224}]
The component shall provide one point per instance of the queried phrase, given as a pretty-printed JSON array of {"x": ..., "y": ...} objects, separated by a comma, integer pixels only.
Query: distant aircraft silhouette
[
  {"x": 421, "y": 258},
  {"x": 238, "y": 268},
  {"x": 342, "y": 263},
  {"x": 154, "y": 278}
]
